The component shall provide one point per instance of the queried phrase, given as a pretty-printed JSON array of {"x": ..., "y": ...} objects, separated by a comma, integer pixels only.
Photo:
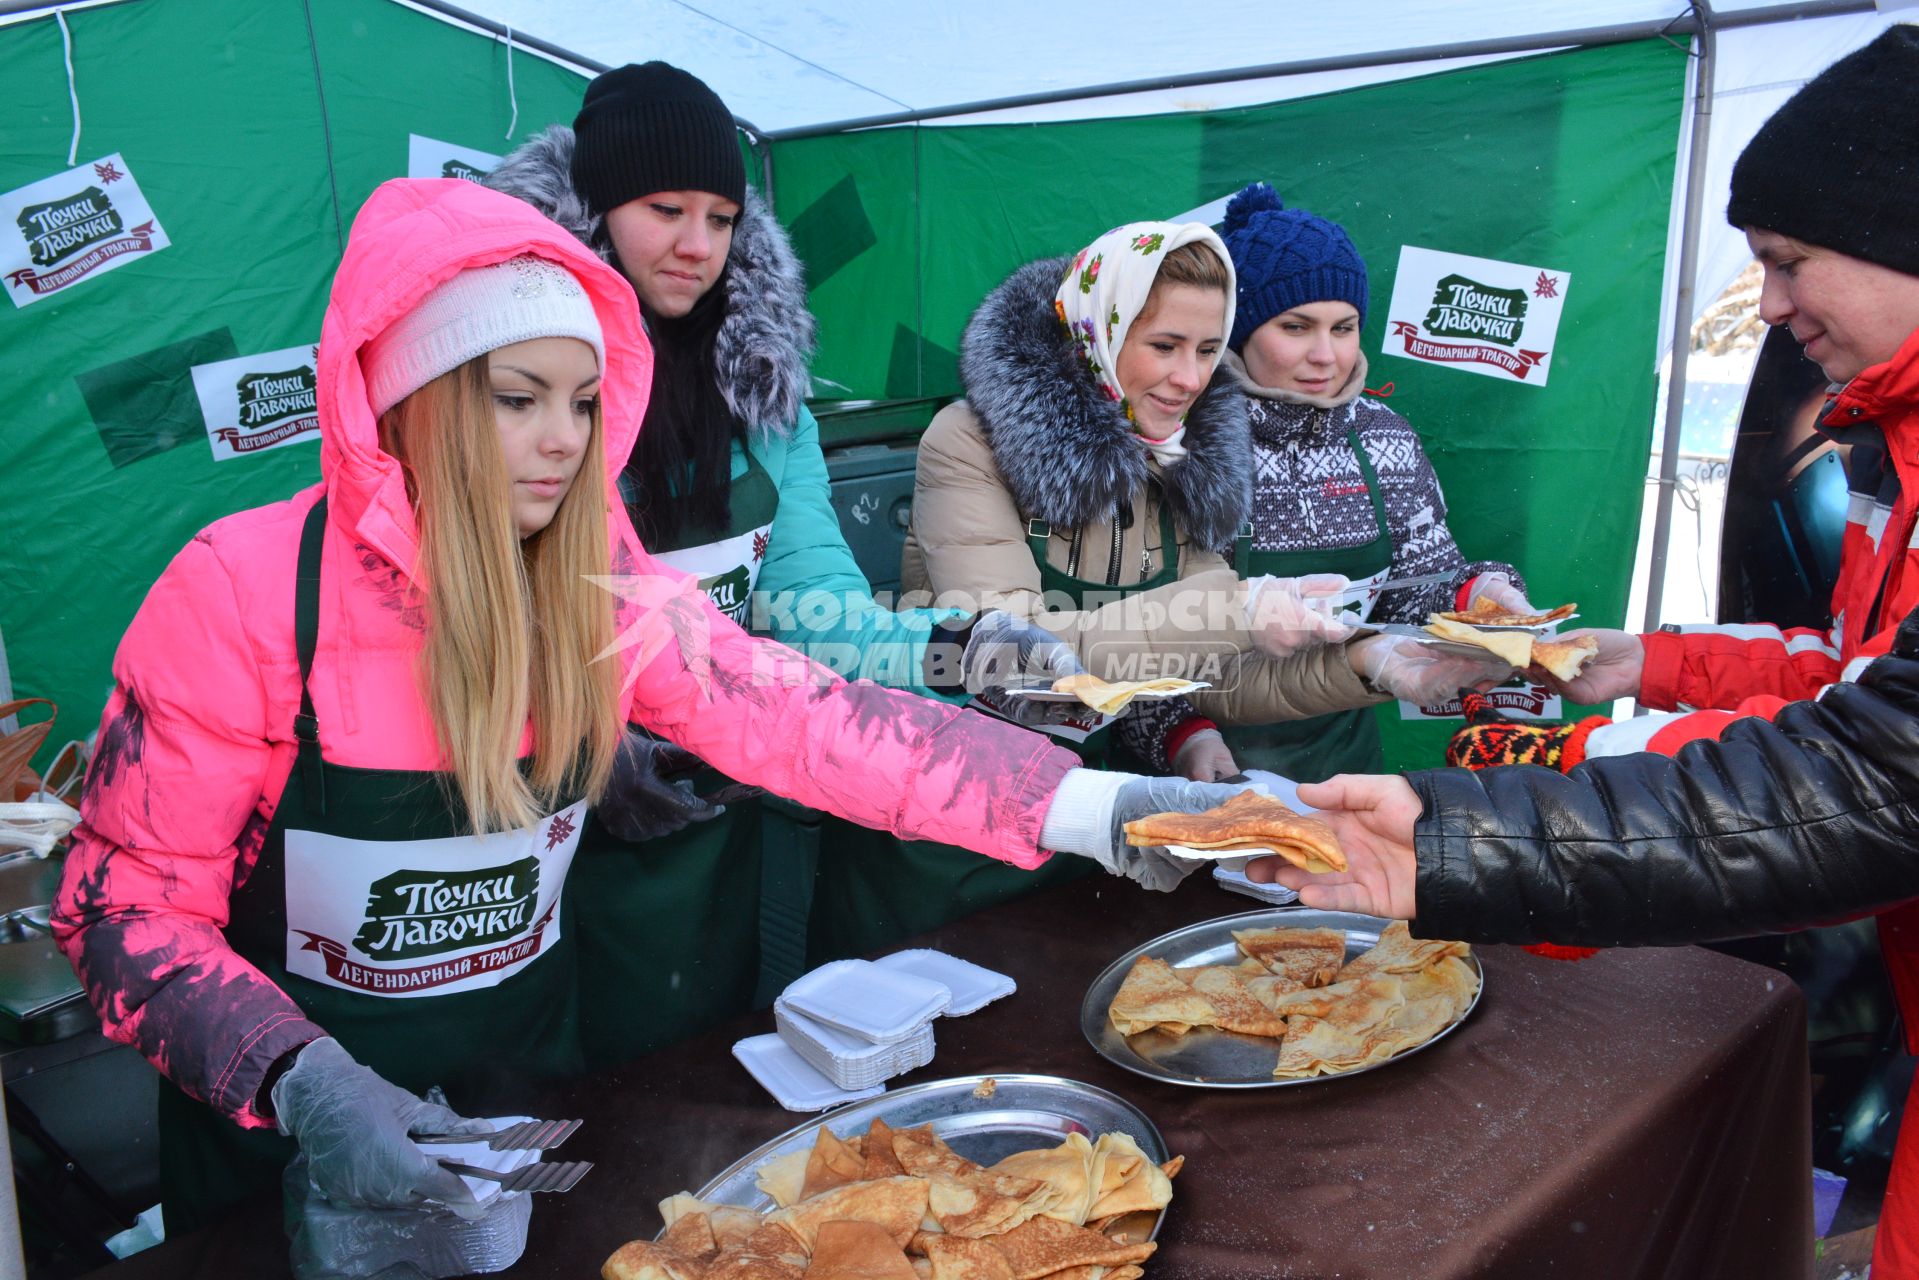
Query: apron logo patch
[
  {"x": 422, "y": 913},
  {"x": 728, "y": 592}
]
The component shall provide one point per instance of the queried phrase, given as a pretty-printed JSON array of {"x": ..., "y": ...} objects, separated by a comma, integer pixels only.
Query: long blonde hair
[{"x": 514, "y": 627}]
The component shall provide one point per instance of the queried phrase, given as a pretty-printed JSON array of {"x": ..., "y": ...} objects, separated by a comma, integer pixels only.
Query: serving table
[{"x": 1639, "y": 1113}]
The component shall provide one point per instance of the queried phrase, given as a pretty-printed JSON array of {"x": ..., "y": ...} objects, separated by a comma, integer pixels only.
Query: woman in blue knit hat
[{"x": 1341, "y": 484}]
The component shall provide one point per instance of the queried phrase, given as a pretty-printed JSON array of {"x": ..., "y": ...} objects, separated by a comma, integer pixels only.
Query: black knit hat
[
  {"x": 653, "y": 128},
  {"x": 1838, "y": 165}
]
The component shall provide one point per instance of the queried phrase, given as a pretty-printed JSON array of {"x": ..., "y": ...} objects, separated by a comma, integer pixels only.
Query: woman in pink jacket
[{"x": 355, "y": 733}]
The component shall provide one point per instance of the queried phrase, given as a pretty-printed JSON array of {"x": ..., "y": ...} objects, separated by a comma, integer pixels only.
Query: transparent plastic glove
[
  {"x": 1614, "y": 672},
  {"x": 642, "y": 800},
  {"x": 1003, "y": 650},
  {"x": 1290, "y": 614},
  {"x": 1205, "y": 757},
  {"x": 1498, "y": 589},
  {"x": 1421, "y": 674},
  {"x": 353, "y": 1127},
  {"x": 1089, "y": 813}
]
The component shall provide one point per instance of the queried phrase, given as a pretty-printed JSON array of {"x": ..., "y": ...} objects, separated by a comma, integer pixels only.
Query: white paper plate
[
  {"x": 880, "y": 1005},
  {"x": 794, "y": 1083},
  {"x": 973, "y": 986},
  {"x": 847, "y": 1060}
]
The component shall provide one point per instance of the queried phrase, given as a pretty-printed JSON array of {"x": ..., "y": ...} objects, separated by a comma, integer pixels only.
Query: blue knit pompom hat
[{"x": 1286, "y": 258}]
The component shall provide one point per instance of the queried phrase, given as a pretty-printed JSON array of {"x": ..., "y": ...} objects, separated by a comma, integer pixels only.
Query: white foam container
[
  {"x": 881, "y": 1006},
  {"x": 793, "y": 1082},
  {"x": 973, "y": 986},
  {"x": 847, "y": 1060}
]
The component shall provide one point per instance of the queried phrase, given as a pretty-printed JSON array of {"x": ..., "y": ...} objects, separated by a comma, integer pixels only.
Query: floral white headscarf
[{"x": 1108, "y": 285}]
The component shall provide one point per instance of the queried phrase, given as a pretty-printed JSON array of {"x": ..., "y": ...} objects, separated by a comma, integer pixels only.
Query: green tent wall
[{"x": 256, "y": 131}]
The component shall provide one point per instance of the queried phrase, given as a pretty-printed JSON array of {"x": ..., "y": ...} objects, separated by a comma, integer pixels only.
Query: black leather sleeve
[{"x": 1776, "y": 825}]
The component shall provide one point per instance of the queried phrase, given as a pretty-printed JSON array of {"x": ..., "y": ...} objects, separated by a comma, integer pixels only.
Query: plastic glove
[
  {"x": 1499, "y": 590},
  {"x": 1491, "y": 738},
  {"x": 640, "y": 803},
  {"x": 1003, "y": 650},
  {"x": 1290, "y": 614},
  {"x": 353, "y": 1127},
  {"x": 1089, "y": 813},
  {"x": 1420, "y": 673},
  {"x": 1613, "y": 672},
  {"x": 1205, "y": 757}
]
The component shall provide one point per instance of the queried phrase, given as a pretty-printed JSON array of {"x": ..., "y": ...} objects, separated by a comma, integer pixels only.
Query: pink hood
[{"x": 411, "y": 235}]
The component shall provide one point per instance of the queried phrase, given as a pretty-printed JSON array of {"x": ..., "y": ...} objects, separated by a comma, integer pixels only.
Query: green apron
[
  {"x": 432, "y": 956},
  {"x": 669, "y": 931},
  {"x": 874, "y": 888},
  {"x": 1345, "y": 741}
]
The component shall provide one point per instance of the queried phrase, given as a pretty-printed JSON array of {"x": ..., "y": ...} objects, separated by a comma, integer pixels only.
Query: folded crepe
[
  {"x": 965, "y": 1198},
  {"x": 1153, "y": 998},
  {"x": 1397, "y": 951},
  {"x": 831, "y": 1163},
  {"x": 1514, "y": 648},
  {"x": 1235, "y": 1007},
  {"x": 880, "y": 1160},
  {"x": 1044, "y": 1246},
  {"x": 897, "y": 1204},
  {"x": 1109, "y": 697},
  {"x": 1304, "y": 957},
  {"x": 1142, "y": 1184},
  {"x": 857, "y": 1251},
  {"x": 959, "y": 1258},
  {"x": 1067, "y": 1171},
  {"x": 782, "y": 1178},
  {"x": 1485, "y": 613},
  {"x": 1565, "y": 658},
  {"x": 1249, "y": 821}
]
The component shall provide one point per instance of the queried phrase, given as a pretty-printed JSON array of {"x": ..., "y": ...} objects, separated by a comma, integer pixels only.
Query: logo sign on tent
[
  {"x": 255, "y": 403},
  {"x": 431, "y": 158},
  {"x": 58, "y": 231},
  {"x": 1479, "y": 315}
]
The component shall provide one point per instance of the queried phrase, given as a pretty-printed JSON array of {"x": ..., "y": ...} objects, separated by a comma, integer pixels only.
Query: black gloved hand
[{"x": 644, "y": 799}]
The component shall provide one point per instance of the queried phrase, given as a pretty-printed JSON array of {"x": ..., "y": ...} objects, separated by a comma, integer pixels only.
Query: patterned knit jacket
[{"x": 1309, "y": 494}]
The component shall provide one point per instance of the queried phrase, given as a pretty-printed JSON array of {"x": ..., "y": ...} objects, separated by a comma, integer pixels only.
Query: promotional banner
[
  {"x": 260, "y": 402},
  {"x": 62, "y": 230},
  {"x": 432, "y": 158},
  {"x": 1478, "y": 315}
]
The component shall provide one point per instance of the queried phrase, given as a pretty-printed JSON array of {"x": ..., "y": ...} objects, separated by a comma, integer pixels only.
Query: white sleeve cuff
[{"x": 1080, "y": 818}]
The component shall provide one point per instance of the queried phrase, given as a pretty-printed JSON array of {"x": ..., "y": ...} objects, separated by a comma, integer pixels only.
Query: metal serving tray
[
  {"x": 1017, "y": 1113},
  {"x": 1208, "y": 1058}
]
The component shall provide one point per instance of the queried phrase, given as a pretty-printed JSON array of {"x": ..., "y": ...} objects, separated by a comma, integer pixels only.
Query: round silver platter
[
  {"x": 1206, "y": 1057},
  {"x": 985, "y": 1123}
]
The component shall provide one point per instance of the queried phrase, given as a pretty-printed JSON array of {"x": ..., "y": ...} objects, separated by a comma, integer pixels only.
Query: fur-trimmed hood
[
  {"x": 1067, "y": 452},
  {"x": 766, "y": 338}
]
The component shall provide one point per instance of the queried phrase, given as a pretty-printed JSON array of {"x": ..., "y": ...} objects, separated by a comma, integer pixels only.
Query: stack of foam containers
[{"x": 854, "y": 1024}]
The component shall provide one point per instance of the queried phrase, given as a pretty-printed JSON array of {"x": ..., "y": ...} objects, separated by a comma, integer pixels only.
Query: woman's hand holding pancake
[
  {"x": 1421, "y": 673},
  {"x": 1373, "y": 818}
]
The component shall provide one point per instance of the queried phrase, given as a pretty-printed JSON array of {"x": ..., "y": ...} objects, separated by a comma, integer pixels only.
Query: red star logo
[
  {"x": 760, "y": 540},
  {"x": 107, "y": 173},
  {"x": 558, "y": 830},
  {"x": 1546, "y": 286}
]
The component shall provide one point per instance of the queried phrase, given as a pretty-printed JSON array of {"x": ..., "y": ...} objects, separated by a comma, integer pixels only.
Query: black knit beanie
[
  {"x": 653, "y": 128},
  {"x": 1838, "y": 165}
]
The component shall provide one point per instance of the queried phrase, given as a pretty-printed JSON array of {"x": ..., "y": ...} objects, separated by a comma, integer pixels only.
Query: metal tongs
[
  {"x": 528, "y": 1135},
  {"x": 561, "y": 1176}
]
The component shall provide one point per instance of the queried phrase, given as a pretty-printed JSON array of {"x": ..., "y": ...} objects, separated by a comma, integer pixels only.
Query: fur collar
[
  {"x": 766, "y": 338},
  {"x": 1068, "y": 454}
]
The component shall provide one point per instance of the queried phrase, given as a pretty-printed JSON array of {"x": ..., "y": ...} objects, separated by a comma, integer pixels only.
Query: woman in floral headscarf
[{"x": 1098, "y": 476}]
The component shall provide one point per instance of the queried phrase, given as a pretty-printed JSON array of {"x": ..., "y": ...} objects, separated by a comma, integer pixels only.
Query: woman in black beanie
[{"x": 727, "y": 483}]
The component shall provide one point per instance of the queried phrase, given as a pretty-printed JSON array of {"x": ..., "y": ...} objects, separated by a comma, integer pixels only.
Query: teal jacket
[{"x": 811, "y": 595}]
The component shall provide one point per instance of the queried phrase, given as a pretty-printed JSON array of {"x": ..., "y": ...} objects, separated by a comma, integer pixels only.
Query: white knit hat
[{"x": 477, "y": 311}]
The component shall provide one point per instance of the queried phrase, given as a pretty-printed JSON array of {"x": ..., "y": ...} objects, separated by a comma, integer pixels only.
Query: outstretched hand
[{"x": 1373, "y": 818}]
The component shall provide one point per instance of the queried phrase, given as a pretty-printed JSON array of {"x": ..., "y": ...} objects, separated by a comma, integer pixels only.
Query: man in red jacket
[{"x": 1828, "y": 196}]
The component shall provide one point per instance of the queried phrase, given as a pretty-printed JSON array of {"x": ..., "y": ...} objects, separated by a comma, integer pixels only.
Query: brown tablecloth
[{"x": 1641, "y": 1113}]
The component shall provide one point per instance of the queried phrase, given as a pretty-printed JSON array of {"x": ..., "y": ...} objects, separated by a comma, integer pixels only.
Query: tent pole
[
  {"x": 1621, "y": 33},
  {"x": 1681, "y": 319}
]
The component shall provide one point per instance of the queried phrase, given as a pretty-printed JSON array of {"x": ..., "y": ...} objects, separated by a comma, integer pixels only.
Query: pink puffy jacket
[{"x": 197, "y": 742}]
